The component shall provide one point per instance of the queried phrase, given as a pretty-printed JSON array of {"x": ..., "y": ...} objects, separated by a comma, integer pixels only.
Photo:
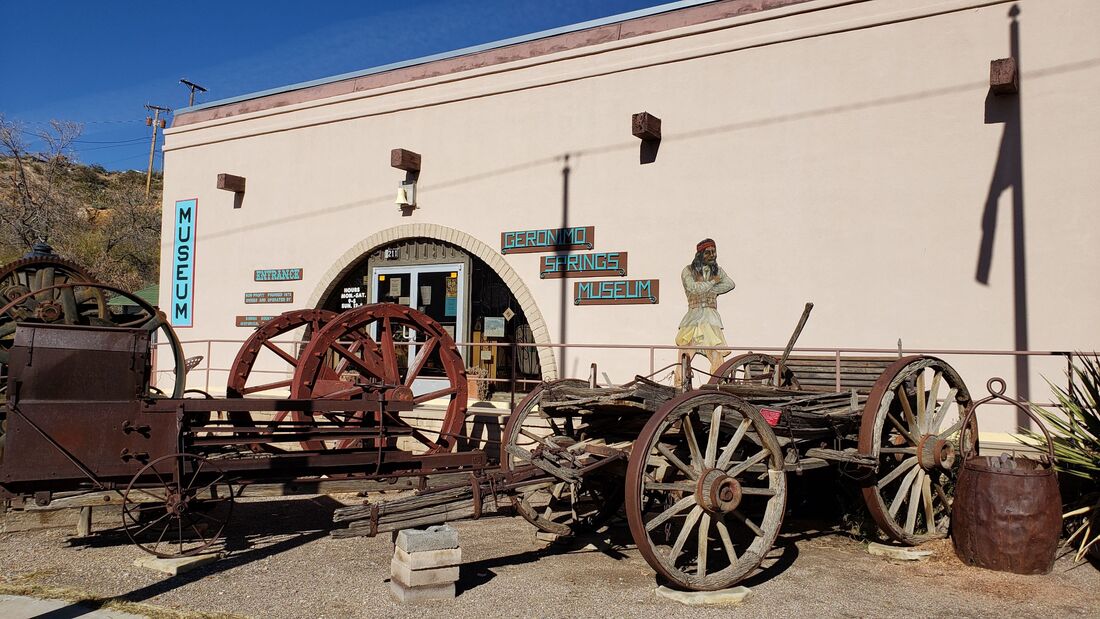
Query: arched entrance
[{"x": 460, "y": 281}]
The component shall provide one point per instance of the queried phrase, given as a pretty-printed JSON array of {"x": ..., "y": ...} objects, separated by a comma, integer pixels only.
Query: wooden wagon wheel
[
  {"x": 359, "y": 351},
  {"x": 177, "y": 505},
  {"x": 560, "y": 507},
  {"x": 913, "y": 433},
  {"x": 753, "y": 369},
  {"x": 84, "y": 303},
  {"x": 260, "y": 347},
  {"x": 705, "y": 490}
]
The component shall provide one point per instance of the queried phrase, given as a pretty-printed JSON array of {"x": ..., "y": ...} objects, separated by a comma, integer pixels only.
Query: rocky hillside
[{"x": 100, "y": 219}]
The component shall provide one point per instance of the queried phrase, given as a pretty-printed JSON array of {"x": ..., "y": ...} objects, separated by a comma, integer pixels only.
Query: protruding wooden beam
[
  {"x": 1004, "y": 78},
  {"x": 230, "y": 182},
  {"x": 645, "y": 126},
  {"x": 405, "y": 160}
]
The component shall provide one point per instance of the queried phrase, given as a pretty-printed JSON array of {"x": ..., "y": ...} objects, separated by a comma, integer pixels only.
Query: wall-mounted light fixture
[
  {"x": 406, "y": 195},
  {"x": 408, "y": 161}
]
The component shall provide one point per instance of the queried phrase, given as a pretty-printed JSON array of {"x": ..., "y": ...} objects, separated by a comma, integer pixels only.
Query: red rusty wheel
[
  {"x": 705, "y": 490},
  {"x": 560, "y": 507},
  {"x": 366, "y": 349},
  {"x": 752, "y": 369},
  {"x": 913, "y": 433},
  {"x": 177, "y": 505},
  {"x": 273, "y": 358}
]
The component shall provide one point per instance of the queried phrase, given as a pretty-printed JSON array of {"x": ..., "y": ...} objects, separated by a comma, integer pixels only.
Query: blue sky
[{"x": 99, "y": 63}]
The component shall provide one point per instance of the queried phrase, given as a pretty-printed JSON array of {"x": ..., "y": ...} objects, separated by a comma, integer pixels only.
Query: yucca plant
[{"x": 1075, "y": 431}]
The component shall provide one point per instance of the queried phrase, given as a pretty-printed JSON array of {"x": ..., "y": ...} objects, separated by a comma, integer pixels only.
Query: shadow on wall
[{"x": 1008, "y": 175}]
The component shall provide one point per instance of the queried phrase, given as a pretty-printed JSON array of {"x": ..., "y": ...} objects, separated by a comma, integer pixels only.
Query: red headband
[{"x": 704, "y": 244}]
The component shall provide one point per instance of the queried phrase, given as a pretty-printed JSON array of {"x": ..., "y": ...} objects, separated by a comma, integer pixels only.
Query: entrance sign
[
  {"x": 268, "y": 297},
  {"x": 621, "y": 292},
  {"x": 551, "y": 239},
  {"x": 600, "y": 264},
  {"x": 278, "y": 275},
  {"x": 183, "y": 264}
]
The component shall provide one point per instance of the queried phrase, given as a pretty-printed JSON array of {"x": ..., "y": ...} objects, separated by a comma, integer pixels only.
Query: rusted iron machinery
[{"x": 700, "y": 473}]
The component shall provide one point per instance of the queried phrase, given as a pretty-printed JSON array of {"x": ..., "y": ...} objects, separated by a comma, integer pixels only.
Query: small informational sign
[
  {"x": 278, "y": 275},
  {"x": 450, "y": 296},
  {"x": 252, "y": 321},
  {"x": 601, "y": 264},
  {"x": 183, "y": 264},
  {"x": 494, "y": 326},
  {"x": 268, "y": 297},
  {"x": 550, "y": 239},
  {"x": 617, "y": 292},
  {"x": 509, "y": 314},
  {"x": 352, "y": 297},
  {"x": 395, "y": 287}
]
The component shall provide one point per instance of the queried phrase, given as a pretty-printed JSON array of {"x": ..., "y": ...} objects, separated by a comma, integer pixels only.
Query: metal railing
[{"x": 517, "y": 385}]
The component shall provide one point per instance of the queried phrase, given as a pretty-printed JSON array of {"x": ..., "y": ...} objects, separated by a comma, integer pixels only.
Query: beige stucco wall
[{"x": 837, "y": 152}]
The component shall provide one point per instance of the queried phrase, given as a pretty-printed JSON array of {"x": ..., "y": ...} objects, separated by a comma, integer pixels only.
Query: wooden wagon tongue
[{"x": 790, "y": 343}]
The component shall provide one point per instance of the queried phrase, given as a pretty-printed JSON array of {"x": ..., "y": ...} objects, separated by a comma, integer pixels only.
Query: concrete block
[
  {"x": 177, "y": 565},
  {"x": 429, "y": 559},
  {"x": 419, "y": 578},
  {"x": 724, "y": 597},
  {"x": 422, "y": 594},
  {"x": 439, "y": 537},
  {"x": 900, "y": 553}
]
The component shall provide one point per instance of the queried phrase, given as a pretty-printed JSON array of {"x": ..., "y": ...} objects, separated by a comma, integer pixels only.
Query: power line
[
  {"x": 82, "y": 122},
  {"x": 92, "y": 148},
  {"x": 141, "y": 139}
]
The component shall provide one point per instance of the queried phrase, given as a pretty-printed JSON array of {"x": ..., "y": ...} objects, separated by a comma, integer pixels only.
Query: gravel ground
[{"x": 283, "y": 564}]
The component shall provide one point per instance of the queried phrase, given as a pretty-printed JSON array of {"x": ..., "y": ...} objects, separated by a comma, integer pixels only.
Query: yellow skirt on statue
[{"x": 701, "y": 334}]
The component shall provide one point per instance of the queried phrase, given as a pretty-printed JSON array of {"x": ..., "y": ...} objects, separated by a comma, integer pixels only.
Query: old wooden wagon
[{"x": 701, "y": 473}]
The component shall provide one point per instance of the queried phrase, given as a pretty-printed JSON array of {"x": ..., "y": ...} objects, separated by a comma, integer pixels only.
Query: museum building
[{"x": 923, "y": 171}]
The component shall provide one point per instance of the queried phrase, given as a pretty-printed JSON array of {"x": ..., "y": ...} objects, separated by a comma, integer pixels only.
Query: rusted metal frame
[
  {"x": 391, "y": 464},
  {"x": 14, "y": 408},
  {"x": 475, "y": 487},
  {"x": 490, "y": 441},
  {"x": 281, "y": 438},
  {"x": 273, "y": 405},
  {"x": 405, "y": 426}
]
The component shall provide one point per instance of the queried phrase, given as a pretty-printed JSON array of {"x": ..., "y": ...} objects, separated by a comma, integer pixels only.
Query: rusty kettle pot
[{"x": 1007, "y": 510}]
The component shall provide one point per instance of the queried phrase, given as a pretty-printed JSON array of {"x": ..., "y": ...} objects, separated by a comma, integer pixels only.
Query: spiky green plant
[{"x": 1075, "y": 431}]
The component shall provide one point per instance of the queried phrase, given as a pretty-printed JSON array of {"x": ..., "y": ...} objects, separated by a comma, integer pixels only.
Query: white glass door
[{"x": 437, "y": 290}]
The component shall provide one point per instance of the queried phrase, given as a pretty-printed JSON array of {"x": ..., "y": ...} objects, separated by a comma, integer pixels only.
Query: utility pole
[
  {"x": 193, "y": 86},
  {"x": 157, "y": 123}
]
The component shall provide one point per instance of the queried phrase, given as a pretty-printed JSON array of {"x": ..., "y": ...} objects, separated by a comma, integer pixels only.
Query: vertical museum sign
[{"x": 183, "y": 264}]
